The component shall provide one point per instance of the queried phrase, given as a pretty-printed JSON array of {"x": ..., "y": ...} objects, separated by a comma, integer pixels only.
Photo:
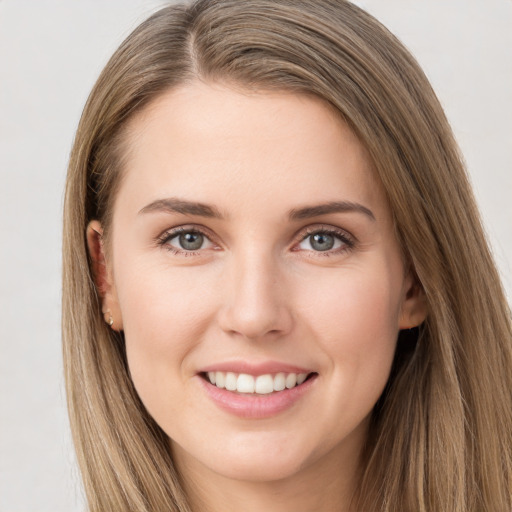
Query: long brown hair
[{"x": 441, "y": 435}]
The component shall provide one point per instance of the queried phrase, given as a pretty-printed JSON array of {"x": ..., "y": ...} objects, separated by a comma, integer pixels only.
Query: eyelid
[
  {"x": 345, "y": 236},
  {"x": 163, "y": 238},
  {"x": 348, "y": 239}
]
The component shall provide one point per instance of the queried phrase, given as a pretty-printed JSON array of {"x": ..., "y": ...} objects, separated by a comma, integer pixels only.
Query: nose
[{"x": 256, "y": 304}]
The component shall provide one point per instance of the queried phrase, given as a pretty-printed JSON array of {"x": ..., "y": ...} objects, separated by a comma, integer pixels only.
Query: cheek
[
  {"x": 165, "y": 316},
  {"x": 351, "y": 301},
  {"x": 353, "y": 315}
]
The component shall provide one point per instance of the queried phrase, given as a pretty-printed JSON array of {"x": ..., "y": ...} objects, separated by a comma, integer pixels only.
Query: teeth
[
  {"x": 245, "y": 383},
  {"x": 280, "y": 382},
  {"x": 231, "y": 381},
  {"x": 220, "y": 379},
  {"x": 262, "y": 384},
  {"x": 291, "y": 380},
  {"x": 301, "y": 378}
]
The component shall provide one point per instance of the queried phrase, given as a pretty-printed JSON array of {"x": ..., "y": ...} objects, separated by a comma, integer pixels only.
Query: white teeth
[
  {"x": 280, "y": 382},
  {"x": 230, "y": 381},
  {"x": 220, "y": 379},
  {"x": 301, "y": 378},
  {"x": 245, "y": 383},
  {"x": 291, "y": 380},
  {"x": 262, "y": 384}
]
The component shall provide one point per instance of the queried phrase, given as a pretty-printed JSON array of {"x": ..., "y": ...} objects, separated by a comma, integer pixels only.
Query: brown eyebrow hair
[
  {"x": 331, "y": 207},
  {"x": 175, "y": 205}
]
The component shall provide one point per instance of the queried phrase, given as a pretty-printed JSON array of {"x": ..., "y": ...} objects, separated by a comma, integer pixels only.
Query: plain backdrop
[{"x": 51, "y": 52}]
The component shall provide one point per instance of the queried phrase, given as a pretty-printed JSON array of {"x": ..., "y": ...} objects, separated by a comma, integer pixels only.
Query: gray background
[{"x": 51, "y": 51}]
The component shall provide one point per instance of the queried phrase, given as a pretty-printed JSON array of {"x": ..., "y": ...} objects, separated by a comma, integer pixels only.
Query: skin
[{"x": 256, "y": 290}]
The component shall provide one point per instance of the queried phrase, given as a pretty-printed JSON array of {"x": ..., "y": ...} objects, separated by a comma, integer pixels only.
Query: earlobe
[
  {"x": 102, "y": 275},
  {"x": 414, "y": 304}
]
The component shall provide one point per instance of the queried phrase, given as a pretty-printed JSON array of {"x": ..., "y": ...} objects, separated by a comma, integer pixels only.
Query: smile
[
  {"x": 259, "y": 384},
  {"x": 259, "y": 394}
]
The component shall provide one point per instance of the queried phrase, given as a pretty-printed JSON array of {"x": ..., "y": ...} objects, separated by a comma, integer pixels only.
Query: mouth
[{"x": 265, "y": 384}]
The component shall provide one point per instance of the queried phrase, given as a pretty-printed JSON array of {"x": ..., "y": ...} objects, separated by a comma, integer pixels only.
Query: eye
[
  {"x": 325, "y": 240},
  {"x": 186, "y": 240}
]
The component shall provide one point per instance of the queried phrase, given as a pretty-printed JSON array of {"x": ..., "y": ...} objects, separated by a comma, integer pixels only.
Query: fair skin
[{"x": 260, "y": 283}]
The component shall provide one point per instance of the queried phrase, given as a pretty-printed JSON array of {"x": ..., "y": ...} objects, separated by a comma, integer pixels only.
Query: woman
[{"x": 277, "y": 290}]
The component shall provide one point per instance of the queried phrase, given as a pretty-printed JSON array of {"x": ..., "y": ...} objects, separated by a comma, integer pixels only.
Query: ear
[
  {"x": 103, "y": 278},
  {"x": 414, "y": 303}
]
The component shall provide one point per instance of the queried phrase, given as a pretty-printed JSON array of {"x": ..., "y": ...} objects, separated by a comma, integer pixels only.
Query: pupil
[
  {"x": 322, "y": 242},
  {"x": 191, "y": 241}
]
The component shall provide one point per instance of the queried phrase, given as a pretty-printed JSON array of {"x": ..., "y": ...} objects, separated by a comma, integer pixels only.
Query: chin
[
  {"x": 251, "y": 457},
  {"x": 264, "y": 469}
]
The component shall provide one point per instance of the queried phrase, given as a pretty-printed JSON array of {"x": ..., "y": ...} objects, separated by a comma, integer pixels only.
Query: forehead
[{"x": 217, "y": 142}]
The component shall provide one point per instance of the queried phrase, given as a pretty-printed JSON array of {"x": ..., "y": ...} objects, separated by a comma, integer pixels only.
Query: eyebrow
[
  {"x": 174, "y": 205},
  {"x": 331, "y": 207}
]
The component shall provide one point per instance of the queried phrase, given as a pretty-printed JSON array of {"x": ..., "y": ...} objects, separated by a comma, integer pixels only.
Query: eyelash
[
  {"x": 164, "y": 238},
  {"x": 347, "y": 240}
]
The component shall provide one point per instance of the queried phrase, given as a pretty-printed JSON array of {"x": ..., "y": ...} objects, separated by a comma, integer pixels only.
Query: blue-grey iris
[
  {"x": 191, "y": 241},
  {"x": 322, "y": 241}
]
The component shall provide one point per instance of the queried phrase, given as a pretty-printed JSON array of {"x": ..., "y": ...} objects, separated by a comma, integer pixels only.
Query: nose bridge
[{"x": 255, "y": 303}]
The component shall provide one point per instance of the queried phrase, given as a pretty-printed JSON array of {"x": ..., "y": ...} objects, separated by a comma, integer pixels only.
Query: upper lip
[{"x": 252, "y": 368}]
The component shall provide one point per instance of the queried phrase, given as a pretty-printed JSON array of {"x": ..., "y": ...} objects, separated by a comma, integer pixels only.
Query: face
[{"x": 255, "y": 273}]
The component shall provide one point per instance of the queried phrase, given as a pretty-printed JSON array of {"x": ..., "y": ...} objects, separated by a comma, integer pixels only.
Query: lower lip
[{"x": 256, "y": 406}]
